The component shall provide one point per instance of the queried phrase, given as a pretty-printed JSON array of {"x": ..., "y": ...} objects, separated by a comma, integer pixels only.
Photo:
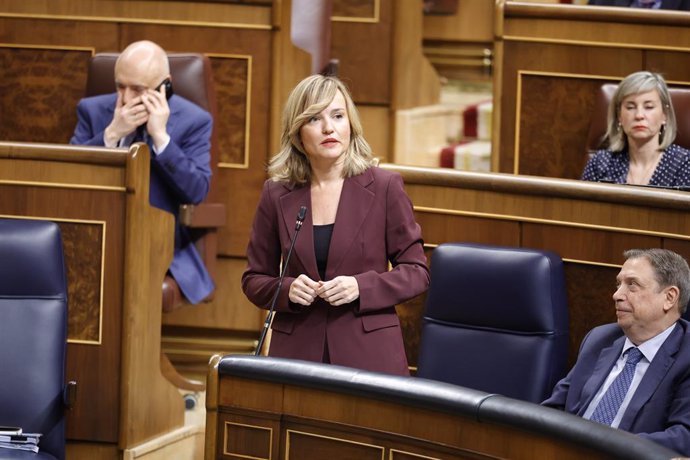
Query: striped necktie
[{"x": 609, "y": 405}]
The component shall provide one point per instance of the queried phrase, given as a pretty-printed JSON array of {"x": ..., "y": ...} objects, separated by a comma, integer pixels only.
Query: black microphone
[{"x": 301, "y": 214}]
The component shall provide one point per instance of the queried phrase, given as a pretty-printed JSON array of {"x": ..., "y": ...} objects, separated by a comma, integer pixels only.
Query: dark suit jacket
[
  {"x": 665, "y": 4},
  {"x": 180, "y": 175},
  {"x": 374, "y": 225},
  {"x": 660, "y": 407}
]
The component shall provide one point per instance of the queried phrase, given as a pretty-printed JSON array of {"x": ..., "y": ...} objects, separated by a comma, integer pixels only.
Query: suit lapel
[
  {"x": 657, "y": 370},
  {"x": 304, "y": 245},
  {"x": 607, "y": 358},
  {"x": 174, "y": 114},
  {"x": 355, "y": 203}
]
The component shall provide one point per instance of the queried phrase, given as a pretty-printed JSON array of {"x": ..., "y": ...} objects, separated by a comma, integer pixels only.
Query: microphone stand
[{"x": 298, "y": 225}]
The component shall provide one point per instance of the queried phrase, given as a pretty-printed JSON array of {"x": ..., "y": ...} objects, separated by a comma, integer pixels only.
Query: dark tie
[
  {"x": 609, "y": 405},
  {"x": 140, "y": 134}
]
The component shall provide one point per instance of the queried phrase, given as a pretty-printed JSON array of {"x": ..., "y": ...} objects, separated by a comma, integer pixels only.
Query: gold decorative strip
[
  {"x": 58, "y": 17},
  {"x": 516, "y": 139},
  {"x": 589, "y": 262},
  {"x": 103, "y": 224},
  {"x": 188, "y": 352},
  {"x": 391, "y": 456},
  {"x": 374, "y": 19},
  {"x": 48, "y": 47},
  {"x": 107, "y": 188},
  {"x": 248, "y": 111},
  {"x": 562, "y": 223},
  {"x": 330, "y": 438},
  {"x": 204, "y": 341},
  {"x": 563, "y": 41},
  {"x": 233, "y": 454},
  {"x": 479, "y": 62},
  {"x": 540, "y": 73}
]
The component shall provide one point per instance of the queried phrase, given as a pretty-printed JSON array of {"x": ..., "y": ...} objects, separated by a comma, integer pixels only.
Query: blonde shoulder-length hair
[
  {"x": 636, "y": 83},
  {"x": 308, "y": 98}
]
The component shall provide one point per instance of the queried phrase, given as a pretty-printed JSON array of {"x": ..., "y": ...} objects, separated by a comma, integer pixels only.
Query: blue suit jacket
[
  {"x": 660, "y": 407},
  {"x": 180, "y": 175}
]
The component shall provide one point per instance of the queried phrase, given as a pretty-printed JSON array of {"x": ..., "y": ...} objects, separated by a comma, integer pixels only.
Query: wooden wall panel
[
  {"x": 590, "y": 303},
  {"x": 209, "y": 14},
  {"x": 307, "y": 442},
  {"x": 673, "y": 65},
  {"x": 352, "y": 10},
  {"x": 586, "y": 244},
  {"x": 232, "y": 78},
  {"x": 367, "y": 74},
  {"x": 46, "y": 32},
  {"x": 440, "y": 227},
  {"x": 471, "y": 22},
  {"x": 550, "y": 124},
  {"x": 83, "y": 245},
  {"x": 46, "y": 97}
]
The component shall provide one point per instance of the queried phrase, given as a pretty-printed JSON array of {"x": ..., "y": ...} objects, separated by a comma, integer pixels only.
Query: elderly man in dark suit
[
  {"x": 652, "y": 4},
  {"x": 635, "y": 375},
  {"x": 178, "y": 134}
]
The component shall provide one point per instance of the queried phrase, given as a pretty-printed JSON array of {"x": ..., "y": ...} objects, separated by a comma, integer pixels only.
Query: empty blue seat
[{"x": 496, "y": 320}]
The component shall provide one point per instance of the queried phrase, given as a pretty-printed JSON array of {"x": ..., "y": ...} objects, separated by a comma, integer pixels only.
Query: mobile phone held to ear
[{"x": 167, "y": 84}]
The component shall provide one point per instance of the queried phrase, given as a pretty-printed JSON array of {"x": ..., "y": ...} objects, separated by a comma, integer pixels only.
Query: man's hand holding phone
[
  {"x": 149, "y": 108},
  {"x": 156, "y": 104}
]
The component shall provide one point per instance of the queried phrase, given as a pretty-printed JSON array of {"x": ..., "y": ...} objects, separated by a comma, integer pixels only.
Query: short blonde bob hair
[
  {"x": 636, "y": 83},
  {"x": 308, "y": 98}
]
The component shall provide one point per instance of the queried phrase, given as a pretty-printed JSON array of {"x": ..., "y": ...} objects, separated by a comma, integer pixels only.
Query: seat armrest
[{"x": 203, "y": 215}]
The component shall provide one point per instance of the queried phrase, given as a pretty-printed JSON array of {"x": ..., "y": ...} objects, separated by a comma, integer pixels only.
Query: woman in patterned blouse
[{"x": 640, "y": 132}]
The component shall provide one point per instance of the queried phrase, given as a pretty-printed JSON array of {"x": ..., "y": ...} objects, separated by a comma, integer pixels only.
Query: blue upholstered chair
[
  {"x": 33, "y": 334},
  {"x": 496, "y": 320}
]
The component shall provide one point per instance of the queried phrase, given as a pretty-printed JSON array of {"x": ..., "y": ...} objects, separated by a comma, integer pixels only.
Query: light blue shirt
[{"x": 649, "y": 350}]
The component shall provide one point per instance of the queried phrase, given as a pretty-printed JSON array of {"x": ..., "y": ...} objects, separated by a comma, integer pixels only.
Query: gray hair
[{"x": 671, "y": 269}]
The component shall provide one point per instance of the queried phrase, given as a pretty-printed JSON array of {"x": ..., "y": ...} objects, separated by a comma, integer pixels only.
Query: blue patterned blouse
[{"x": 673, "y": 169}]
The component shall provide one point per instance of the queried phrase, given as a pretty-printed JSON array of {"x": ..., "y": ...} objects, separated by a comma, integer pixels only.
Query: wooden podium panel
[
  {"x": 272, "y": 408},
  {"x": 550, "y": 61},
  {"x": 588, "y": 224},
  {"x": 117, "y": 250}
]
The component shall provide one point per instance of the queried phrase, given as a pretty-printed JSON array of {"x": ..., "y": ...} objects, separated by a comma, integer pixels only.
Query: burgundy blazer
[{"x": 374, "y": 225}]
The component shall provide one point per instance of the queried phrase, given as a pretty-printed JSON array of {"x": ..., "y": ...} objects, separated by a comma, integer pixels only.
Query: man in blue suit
[
  {"x": 652, "y": 294},
  {"x": 178, "y": 134}
]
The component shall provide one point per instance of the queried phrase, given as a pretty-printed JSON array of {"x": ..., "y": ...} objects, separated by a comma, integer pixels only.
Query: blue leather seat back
[
  {"x": 496, "y": 320},
  {"x": 33, "y": 331}
]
